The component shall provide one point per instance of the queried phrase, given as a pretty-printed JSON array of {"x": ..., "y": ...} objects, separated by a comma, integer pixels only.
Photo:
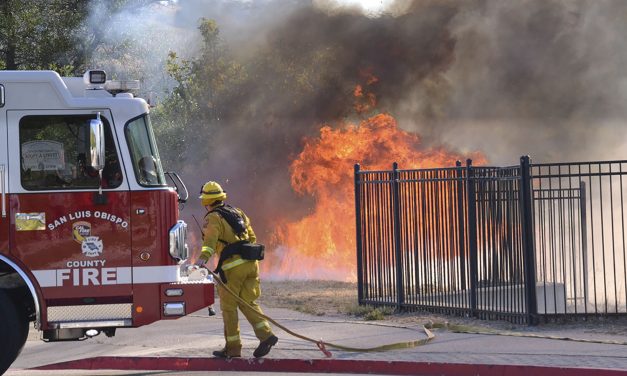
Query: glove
[{"x": 202, "y": 261}]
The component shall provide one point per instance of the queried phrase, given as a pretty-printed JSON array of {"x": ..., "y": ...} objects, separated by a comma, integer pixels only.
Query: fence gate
[{"x": 515, "y": 243}]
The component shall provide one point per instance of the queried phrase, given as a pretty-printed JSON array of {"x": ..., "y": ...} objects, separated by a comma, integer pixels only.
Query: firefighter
[{"x": 225, "y": 228}]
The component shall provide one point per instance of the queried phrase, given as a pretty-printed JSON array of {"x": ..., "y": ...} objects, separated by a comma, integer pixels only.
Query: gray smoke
[
  {"x": 544, "y": 78},
  {"x": 507, "y": 78}
]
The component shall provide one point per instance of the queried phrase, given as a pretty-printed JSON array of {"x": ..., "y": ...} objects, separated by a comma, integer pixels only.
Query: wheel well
[{"x": 20, "y": 290}]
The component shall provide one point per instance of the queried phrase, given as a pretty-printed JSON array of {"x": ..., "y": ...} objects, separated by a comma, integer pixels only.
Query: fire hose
[
  {"x": 454, "y": 328},
  {"x": 466, "y": 329},
  {"x": 322, "y": 345}
]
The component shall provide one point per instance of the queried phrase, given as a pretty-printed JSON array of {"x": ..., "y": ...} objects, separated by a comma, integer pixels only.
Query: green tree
[
  {"x": 198, "y": 105},
  {"x": 61, "y": 35},
  {"x": 40, "y": 34}
]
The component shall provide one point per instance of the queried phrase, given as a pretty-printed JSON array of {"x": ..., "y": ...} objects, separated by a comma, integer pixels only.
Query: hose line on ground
[
  {"x": 322, "y": 345},
  {"x": 457, "y": 328},
  {"x": 454, "y": 328}
]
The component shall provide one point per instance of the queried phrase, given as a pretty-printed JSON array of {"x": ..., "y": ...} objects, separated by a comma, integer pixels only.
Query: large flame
[{"x": 322, "y": 244}]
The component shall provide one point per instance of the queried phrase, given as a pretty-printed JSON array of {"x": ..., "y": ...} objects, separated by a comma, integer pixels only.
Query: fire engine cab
[{"x": 90, "y": 236}]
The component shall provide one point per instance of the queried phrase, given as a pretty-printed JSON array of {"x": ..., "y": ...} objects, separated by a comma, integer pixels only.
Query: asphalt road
[{"x": 197, "y": 335}]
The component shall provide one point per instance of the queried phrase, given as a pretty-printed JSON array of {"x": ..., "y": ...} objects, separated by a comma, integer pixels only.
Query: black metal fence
[{"x": 515, "y": 243}]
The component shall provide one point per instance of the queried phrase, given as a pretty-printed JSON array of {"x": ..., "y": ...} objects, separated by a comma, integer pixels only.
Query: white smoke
[
  {"x": 134, "y": 42},
  {"x": 369, "y": 8}
]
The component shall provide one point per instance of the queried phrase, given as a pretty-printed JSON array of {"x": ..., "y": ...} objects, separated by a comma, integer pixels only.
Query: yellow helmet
[{"x": 211, "y": 192}]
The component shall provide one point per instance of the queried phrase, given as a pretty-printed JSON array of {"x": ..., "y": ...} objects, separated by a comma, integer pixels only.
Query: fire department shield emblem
[
  {"x": 92, "y": 246},
  {"x": 81, "y": 230}
]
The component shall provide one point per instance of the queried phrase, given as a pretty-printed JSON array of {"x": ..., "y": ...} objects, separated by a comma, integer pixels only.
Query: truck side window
[
  {"x": 144, "y": 153},
  {"x": 53, "y": 150}
]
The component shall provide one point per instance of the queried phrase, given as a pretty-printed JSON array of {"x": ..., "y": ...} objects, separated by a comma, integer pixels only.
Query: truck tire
[
  {"x": 11, "y": 332},
  {"x": 23, "y": 327}
]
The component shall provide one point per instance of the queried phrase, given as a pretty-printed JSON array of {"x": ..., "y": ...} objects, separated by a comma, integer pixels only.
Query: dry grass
[
  {"x": 313, "y": 297},
  {"x": 339, "y": 299}
]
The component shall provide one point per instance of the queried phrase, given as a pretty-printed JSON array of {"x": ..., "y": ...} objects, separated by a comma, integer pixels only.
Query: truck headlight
[{"x": 178, "y": 236}]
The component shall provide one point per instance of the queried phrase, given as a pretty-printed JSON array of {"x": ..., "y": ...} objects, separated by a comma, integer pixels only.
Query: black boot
[
  {"x": 227, "y": 354},
  {"x": 264, "y": 346}
]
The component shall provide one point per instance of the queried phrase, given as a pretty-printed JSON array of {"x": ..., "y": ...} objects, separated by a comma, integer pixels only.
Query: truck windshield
[{"x": 146, "y": 162}]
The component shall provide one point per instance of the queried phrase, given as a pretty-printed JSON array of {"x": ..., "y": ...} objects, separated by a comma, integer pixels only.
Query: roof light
[{"x": 95, "y": 77}]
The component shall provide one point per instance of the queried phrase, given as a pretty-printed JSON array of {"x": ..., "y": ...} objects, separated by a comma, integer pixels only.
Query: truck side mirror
[{"x": 97, "y": 143}]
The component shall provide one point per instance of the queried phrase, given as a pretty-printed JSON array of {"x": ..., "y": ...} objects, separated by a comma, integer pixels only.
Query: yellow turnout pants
[{"x": 243, "y": 280}]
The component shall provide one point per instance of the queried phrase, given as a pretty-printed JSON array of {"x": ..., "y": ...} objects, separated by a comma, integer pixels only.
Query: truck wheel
[
  {"x": 11, "y": 332},
  {"x": 23, "y": 327}
]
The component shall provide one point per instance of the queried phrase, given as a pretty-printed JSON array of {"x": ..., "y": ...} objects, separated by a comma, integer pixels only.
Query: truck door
[{"x": 73, "y": 238}]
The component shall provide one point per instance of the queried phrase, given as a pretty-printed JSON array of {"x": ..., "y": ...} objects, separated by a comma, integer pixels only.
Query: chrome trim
[
  {"x": 2, "y": 182},
  {"x": 93, "y": 312},
  {"x": 91, "y": 324},
  {"x": 31, "y": 287},
  {"x": 178, "y": 236}
]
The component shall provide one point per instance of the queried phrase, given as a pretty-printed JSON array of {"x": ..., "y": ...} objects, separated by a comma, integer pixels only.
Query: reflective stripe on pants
[{"x": 243, "y": 280}]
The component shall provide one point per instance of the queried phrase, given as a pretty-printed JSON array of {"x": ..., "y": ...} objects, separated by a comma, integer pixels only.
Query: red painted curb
[{"x": 322, "y": 366}]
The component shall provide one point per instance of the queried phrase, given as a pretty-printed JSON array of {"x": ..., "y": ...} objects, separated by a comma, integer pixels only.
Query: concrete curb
[{"x": 321, "y": 366}]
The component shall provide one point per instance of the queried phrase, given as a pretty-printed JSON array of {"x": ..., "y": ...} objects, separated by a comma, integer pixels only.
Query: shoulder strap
[{"x": 232, "y": 217}]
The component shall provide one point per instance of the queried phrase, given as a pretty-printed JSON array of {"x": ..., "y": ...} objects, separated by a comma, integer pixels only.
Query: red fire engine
[{"x": 90, "y": 236}]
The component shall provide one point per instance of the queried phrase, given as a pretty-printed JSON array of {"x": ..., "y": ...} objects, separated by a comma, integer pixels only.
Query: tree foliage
[
  {"x": 41, "y": 34},
  {"x": 60, "y": 35},
  {"x": 198, "y": 105}
]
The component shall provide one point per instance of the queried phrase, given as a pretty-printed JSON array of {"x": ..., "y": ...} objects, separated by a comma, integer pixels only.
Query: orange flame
[
  {"x": 365, "y": 101},
  {"x": 322, "y": 244}
]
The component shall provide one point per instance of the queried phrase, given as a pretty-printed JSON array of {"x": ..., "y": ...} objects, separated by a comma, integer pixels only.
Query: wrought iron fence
[{"x": 516, "y": 243}]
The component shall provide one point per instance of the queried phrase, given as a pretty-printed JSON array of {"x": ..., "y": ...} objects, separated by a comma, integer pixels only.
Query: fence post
[
  {"x": 400, "y": 295},
  {"x": 360, "y": 273},
  {"x": 584, "y": 240},
  {"x": 461, "y": 218},
  {"x": 472, "y": 234},
  {"x": 528, "y": 239}
]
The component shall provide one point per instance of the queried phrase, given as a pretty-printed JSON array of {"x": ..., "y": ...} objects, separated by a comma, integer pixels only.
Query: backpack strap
[
  {"x": 228, "y": 251},
  {"x": 233, "y": 217}
]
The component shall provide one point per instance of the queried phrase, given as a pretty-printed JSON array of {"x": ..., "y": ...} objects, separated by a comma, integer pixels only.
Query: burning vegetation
[
  {"x": 321, "y": 245},
  {"x": 282, "y": 98}
]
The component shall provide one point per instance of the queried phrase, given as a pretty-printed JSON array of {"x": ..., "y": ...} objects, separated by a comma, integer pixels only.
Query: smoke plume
[{"x": 508, "y": 78}]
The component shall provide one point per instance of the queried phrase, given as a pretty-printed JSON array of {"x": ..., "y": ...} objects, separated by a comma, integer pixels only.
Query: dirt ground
[{"x": 339, "y": 300}]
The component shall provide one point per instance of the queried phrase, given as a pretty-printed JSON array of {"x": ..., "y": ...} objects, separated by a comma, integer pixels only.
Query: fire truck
[{"x": 90, "y": 236}]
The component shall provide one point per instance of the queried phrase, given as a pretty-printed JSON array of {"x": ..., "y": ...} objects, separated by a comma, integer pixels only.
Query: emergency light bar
[{"x": 115, "y": 87}]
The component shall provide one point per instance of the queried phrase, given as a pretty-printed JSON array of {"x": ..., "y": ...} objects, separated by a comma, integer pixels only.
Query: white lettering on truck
[
  {"x": 88, "y": 277},
  {"x": 84, "y": 273},
  {"x": 101, "y": 276},
  {"x": 83, "y": 214},
  {"x": 85, "y": 263}
]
